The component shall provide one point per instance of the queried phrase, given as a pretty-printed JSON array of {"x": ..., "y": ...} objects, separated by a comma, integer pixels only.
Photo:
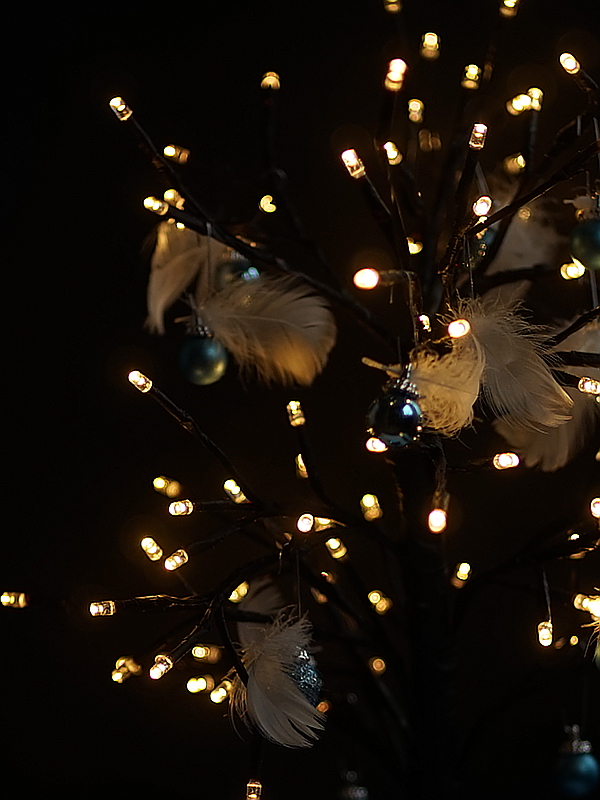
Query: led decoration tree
[{"x": 319, "y": 559}]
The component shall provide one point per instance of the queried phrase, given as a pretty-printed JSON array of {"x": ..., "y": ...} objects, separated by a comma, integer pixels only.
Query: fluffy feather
[
  {"x": 552, "y": 448},
  {"x": 272, "y": 701},
  {"x": 180, "y": 254},
  {"x": 517, "y": 381},
  {"x": 272, "y": 325}
]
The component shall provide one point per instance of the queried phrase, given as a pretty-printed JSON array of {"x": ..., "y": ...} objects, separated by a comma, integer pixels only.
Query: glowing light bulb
[
  {"x": 509, "y": 8},
  {"x": 416, "y": 108},
  {"x": 253, "y": 790},
  {"x": 395, "y": 75},
  {"x": 125, "y": 667},
  {"x": 536, "y": 96},
  {"x": 524, "y": 213},
  {"x": 569, "y": 63},
  {"x": 375, "y": 596},
  {"x": 323, "y": 523},
  {"x": 166, "y": 486},
  {"x": 162, "y": 664},
  {"x": 305, "y": 523},
  {"x": 323, "y": 706},
  {"x": 375, "y": 445},
  {"x": 437, "y": 520},
  {"x": 201, "y": 683},
  {"x": 377, "y": 665},
  {"x": 178, "y": 154},
  {"x": 301, "y": 470},
  {"x": 514, "y": 164},
  {"x": 140, "y": 381},
  {"x": 221, "y": 693},
  {"x": 545, "y": 635},
  {"x": 239, "y": 593},
  {"x": 478, "y": 134},
  {"x": 176, "y": 560},
  {"x": 366, "y": 278},
  {"x": 574, "y": 640},
  {"x": 152, "y": 549},
  {"x": 103, "y": 608},
  {"x": 482, "y": 205},
  {"x": 234, "y": 491},
  {"x": 595, "y": 507},
  {"x": 462, "y": 573},
  {"x": 589, "y": 386},
  {"x": 505, "y": 460},
  {"x": 120, "y": 108},
  {"x": 270, "y": 80},
  {"x": 394, "y": 156},
  {"x": 471, "y": 77},
  {"x": 209, "y": 653},
  {"x": 370, "y": 507},
  {"x": 353, "y": 164},
  {"x": 337, "y": 549},
  {"x": 413, "y": 247},
  {"x": 572, "y": 271},
  {"x": 458, "y": 328},
  {"x": 430, "y": 46},
  {"x": 425, "y": 322},
  {"x": 181, "y": 508},
  {"x": 157, "y": 206},
  {"x": 173, "y": 197},
  {"x": 295, "y": 413},
  {"x": 518, "y": 104},
  {"x": 266, "y": 204},
  {"x": 392, "y": 6},
  {"x": 14, "y": 599}
]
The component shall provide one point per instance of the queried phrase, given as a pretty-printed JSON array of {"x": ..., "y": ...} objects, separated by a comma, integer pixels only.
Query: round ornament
[
  {"x": 202, "y": 360},
  {"x": 306, "y": 677},
  {"x": 585, "y": 243},
  {"x": 235, "y": 269},
  {"x": 577, "y": 770},
  {"x": 396, "y": 417}
]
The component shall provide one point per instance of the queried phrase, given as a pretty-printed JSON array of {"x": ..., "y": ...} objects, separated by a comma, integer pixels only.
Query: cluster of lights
[
  {"x": 377, "y": 665},
  {"x": 175, "y": 153},
  {"x": 379, "y": 601},
  {"x": 416, "y": 109},
  {"x": 505, "y": 460},
  {"x": 394, "y": 156},
  {"x": 151, "y": 548},
  {"x": 301, "y": 470},
  {"x": 200, "y": 683},
  {"x": 589, "y": 386},
  {"x": 253, "y": 790},
  {"x": 395, "y": 75},
  {"x": 532, "y": 101},
  {"x": 295, "y": 414},
  {"x": 222, "y": 692},
  {"x": 120, "y": 108},
  {"x": 369, "y": 505},
  {"x": 545, "y": 633},
  {"x": 572, "y": 270},
  {"x": 239, "y": 592},
  {"x": 234, "y": 491},
  {"x": 336, "y": 548},
  {"x": 471, "y": 77},
  {"x": 270, "y": 80},
  {"x": 14, "y": 599},
  {"x": 430, "y": 46},
  {"x": 103, "y": 608},
  {"x": 181, "y": 508},
  {"x": 375, "y": 445},
  {"x": 478, "y": 135},
  {"x": 462, "y": 573},
  {"x": 266, "y": 204},
  {"x": 208, "y": 653},
  {"x": 125, "y": 667},
  {"x": 166, "y": 486},
  {"x": 458, "y": 328},
  {"x": 162, "y": 664},
  {"x": 353, "y": 164},
  {"x": 176, "y": 560},
  {"x": 140, "y": 381}
]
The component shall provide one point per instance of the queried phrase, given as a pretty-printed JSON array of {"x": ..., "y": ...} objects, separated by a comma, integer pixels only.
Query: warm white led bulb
[
  {"x": 369, "y": 505},
  {"x": 366, "y": 278},
  {"x": 178, "y": 154},
  {"x": 589, "y": 386},
  {"x": 162, "y": 664},
  {"x": 463, "y": 571},
  {"x": 305, "y": 523},
  {"x": 210, "y": 653},
  {"x": 120, "y": 108},
  {"x": 395, "y": 75},
  {"x": 437, "y": 520},
  {"x": 270, "y": 80},
  {"x": 253, "y": 790},
  {"x": 201, "y": 683},
  {"x": 482, "y": 205},
  {"x": 508, "y": 8},
  {"x": 181, "y": 508},
  {"x": 595, "y": 507},
  {"x": 569, "y": 63},
  {"x": 377, "y": 665},
  {"x": 160, "y": 207},
  {"x": 536, "y": 98},
  {"x": 416, "y": 109},
  {"x": 353, "y": 164},
  {"x": 166, "y": 486},
  {"x": 375, "y": 445},
  {"x": 478, "y": 135},
  {"x": 301, "y": 470},
  {"x": 394, "y": 156},
  {"x": 140, "y": 381},
  {"x": 505, "y": 460},
  {"x": 176, "y": 560},
  {"x": 572, "y": 270},
  {"x": 222, "y": 691},
  {"x": 234, "y": 491},
  {"x": 152, "y": 549},
  {"x": 471, "y": 77},
  {"x": 295, "y": 414},
  {"x": 545, "y": 635},
  {"x": 239, "y": 592},
  {"x": 337, "y": 549},
  {"x": 518, "y": 104},
  {"x": 514, "y": 164},
  {"x": 14, "y": 599},
  {"x": 430, "y": 46},
  {"x": 266, "y": 204},
  {"x": 458, "y": 328},
  {"x": 103, "y": 608}
]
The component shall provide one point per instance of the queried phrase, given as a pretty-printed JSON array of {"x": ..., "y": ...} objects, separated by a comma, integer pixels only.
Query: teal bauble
[
  {"x": 578, "y": 775},
  {"x": 585, "y": 243},
  {"x": 202, "y": 360},
  {"x": 396, "y": 417}
]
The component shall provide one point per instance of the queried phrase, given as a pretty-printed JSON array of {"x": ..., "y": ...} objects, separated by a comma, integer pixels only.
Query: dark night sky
[{"x": 83, "y": 446}]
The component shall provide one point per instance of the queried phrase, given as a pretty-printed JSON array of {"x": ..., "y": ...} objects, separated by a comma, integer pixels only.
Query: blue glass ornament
[
  {"x": 585, "y": 243},
  {"x": 237, "y": 268},
  {"x": 578, "y": 772},
  {"x": 396, "y": 417},
  {"x": 306, "y": 677},
  {"x": 202, "y": 360}
]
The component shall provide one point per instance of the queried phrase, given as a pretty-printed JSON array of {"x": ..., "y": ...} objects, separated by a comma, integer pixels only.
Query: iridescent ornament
[
  {"x": 585, "y": 243},
  {"x": 306, "y": 677},
  {"x": 396, "y": 417},
  {"x": 236, "y": 268},
  {"x": 577, "y": 770},
  {"x": 202, "y": 360}
]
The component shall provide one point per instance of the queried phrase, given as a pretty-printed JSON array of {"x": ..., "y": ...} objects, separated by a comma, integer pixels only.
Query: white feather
[
  {"x": 517, "y": 381},
  {"x": 179, "y": 256},
  {"x": 272, "y": 701},
  {"x": 551, "y": 448},
  {"x": 272, "y": 325}
]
